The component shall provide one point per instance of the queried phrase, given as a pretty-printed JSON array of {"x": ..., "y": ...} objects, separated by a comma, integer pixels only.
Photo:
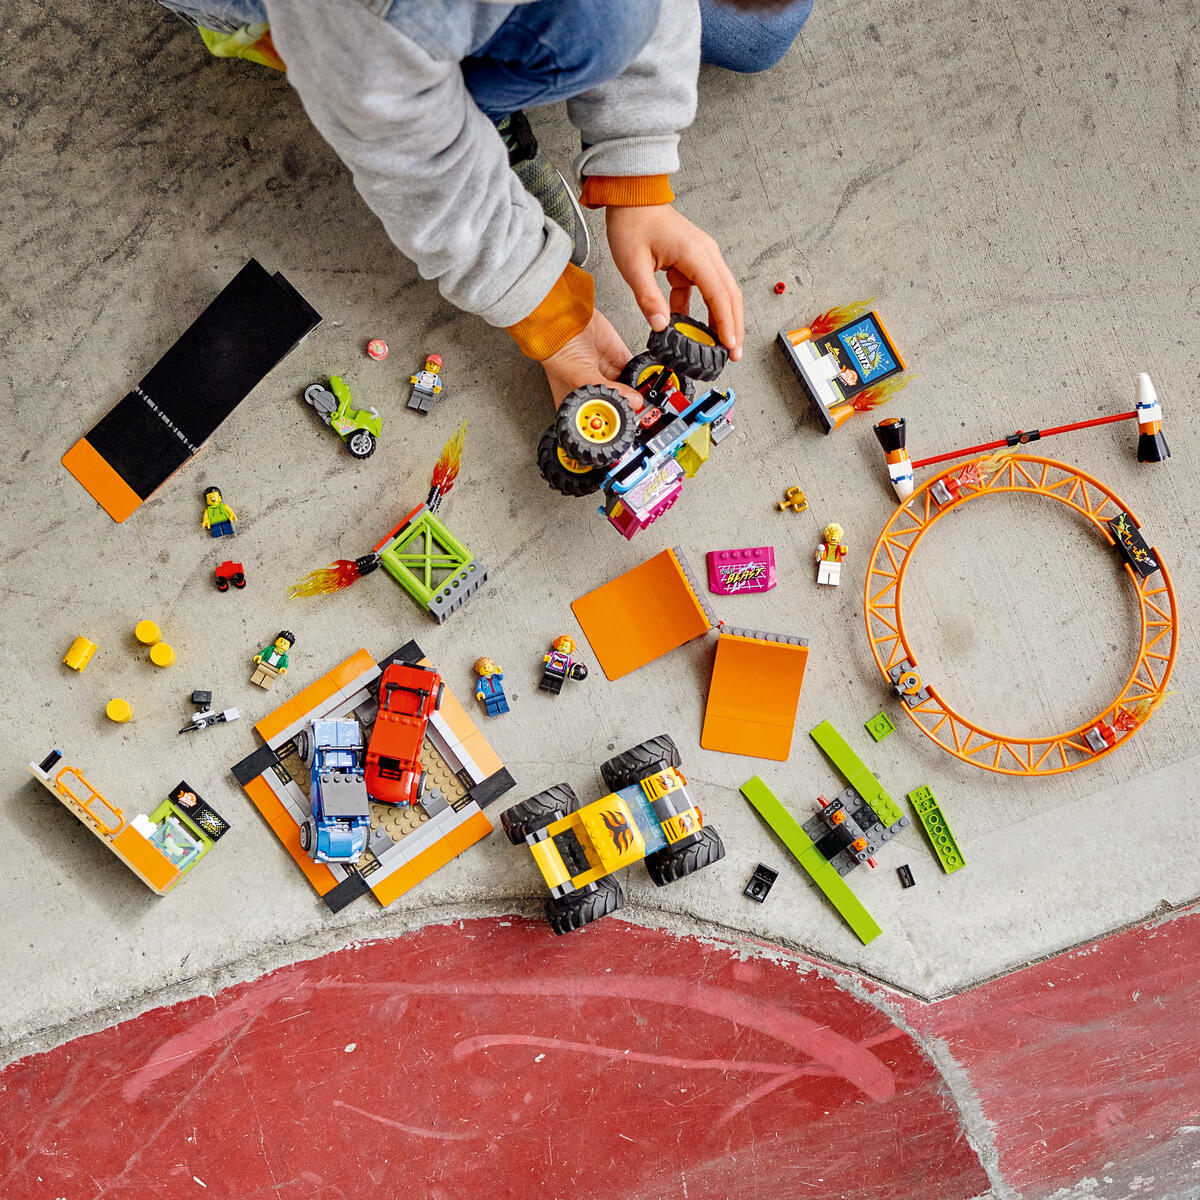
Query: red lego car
[{"x": 408, "y": 695}]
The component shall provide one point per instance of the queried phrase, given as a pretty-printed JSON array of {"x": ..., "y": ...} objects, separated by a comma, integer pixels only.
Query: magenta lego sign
[{"x": 733, "y": 572}]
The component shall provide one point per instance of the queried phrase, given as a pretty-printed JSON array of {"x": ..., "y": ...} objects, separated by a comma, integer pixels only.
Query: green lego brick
[
  {"x": 422, "y": 555},
  {"x": 857, "y": 774},
  {"x": 879, "y": 726},
  {"x": 788, "y": 830},
  {"x": 937, "y": 829}
]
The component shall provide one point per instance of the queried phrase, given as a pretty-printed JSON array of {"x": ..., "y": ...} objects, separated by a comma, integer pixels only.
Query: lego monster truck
[
  {"x": 641, "y": 459},
  {"x": 648, "y": 814}
]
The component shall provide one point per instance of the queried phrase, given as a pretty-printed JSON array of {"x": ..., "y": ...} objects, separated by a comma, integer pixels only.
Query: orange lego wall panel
[
  {"x": 432, "y": 858},
  {"x": 753, "y": 697},
  {"x": 641, "y": 615},
  {"x": 144, "y": 859},
  {"x": 106, "y": 487},
  {"x": 288, "y": 832},
  {"x": 315, "y": 694}
]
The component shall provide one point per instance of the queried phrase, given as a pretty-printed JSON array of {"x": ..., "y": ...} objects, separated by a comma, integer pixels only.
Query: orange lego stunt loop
[{"x": 1146, "y": 686}]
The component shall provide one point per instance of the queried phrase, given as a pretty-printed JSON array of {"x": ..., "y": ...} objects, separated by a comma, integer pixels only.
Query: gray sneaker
[{"x": 545, "y": 183}]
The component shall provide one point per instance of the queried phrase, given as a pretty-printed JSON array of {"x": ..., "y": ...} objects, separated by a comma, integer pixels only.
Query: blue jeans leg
[
  {"x": 747, "y": 42},
  {"x": 555, "y": 49}
]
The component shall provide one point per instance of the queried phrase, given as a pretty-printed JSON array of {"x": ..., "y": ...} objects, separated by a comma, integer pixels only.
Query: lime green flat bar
[
  {"x": 857, "y": 773},
  {"x": 788, "y": 829},
  {"x": 937, "y": 829}
]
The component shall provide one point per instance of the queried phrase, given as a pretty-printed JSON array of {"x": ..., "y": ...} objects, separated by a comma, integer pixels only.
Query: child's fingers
[
  {"x": 739, "y": 321},
  {"x": 681, "y": 291},
  {"x": 715, "y": 288},
  {"x": 638, "y": 270}
]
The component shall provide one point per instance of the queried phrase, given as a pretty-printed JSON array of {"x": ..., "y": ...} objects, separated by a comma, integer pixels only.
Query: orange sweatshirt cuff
[
  {"x": 564, "y": 312},
  {"x": 626, "y": 191}
]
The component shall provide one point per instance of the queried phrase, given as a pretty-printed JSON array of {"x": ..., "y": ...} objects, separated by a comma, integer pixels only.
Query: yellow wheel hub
[
  {"x": 571, "y": 464},
  {"x": 694, "y": 333},
  {"x": 672, "y": 380},
  {"x": 598, "y": 421}
]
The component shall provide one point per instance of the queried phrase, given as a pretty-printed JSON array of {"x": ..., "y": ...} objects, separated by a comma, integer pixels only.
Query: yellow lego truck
[{"x": 648, "y": 814}]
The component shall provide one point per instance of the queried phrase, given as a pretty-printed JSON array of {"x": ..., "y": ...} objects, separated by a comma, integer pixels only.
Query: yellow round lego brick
[
  {"x": 80, "y": 653},
  {"x": 147, "y": 632},
  {"x": 162, "y": 654},
  {"x": 119, "y": 710}
]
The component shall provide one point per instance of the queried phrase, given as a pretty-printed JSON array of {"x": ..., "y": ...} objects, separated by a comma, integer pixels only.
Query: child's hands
[
  {"x": 595, "y": 355},
  {"x": 656, "y": 238}
]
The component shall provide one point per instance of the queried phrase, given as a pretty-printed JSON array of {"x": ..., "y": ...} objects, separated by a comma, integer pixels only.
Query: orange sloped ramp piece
[
  {"x": 755, "y": 689},
  {"x": 643, "y": 614}
]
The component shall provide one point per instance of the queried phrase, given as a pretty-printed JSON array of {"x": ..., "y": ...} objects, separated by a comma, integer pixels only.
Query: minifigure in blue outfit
[{"x": 490, "y": 687}]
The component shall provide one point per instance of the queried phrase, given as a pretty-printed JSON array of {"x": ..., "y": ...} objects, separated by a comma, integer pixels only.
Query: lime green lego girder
[
  {"x": 788, "y": 830},
  {"x": 937, "y": 829},
  {"x": 857, "y": 774},
  {"x": 422, "y": 547}
]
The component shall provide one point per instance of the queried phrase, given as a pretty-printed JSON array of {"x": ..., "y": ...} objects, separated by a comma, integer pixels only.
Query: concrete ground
[{"x": 1017, "y": 189}]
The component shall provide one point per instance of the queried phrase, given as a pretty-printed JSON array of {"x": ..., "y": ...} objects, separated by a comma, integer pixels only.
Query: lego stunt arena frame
[{"x": 1146, "y": 686}]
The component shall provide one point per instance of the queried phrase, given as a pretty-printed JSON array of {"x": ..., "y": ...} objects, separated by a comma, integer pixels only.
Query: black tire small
[
  {"x": 361, "y": 444},
  {"x": 421, "y": 784},
  {"x": 239, "y": 580},
  {"x": 538, "y": 811},
  {"x": 640, "y": 366},
  {"x": 440, "y": 693},
  {"x": 306, "y": 836},
  {"x": 561, "y": 477},
  {"x": 574, "y": 912},
  {"x": 223, "y": 585},
  {"x": 635, "y": 764},
  {"x": 303, "y": 743},
  {"x": 672, "y": 863},
  {"x": 620, "y": 426},
  {"x": 689, "y": 347}
]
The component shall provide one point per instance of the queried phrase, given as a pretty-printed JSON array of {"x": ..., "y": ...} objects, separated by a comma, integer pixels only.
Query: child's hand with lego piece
[
  {"x": 595, "y": 355},
  {"x": 656, "y": 238}
]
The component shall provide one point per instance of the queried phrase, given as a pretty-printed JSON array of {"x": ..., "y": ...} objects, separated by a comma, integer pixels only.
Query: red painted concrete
[
  {"x": 1089, "y": 1058},
  {"x": 495, "y": 1060},
  {"x": 491, "y": 1059}
]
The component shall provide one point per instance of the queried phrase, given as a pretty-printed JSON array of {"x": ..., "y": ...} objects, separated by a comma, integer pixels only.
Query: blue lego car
[{"x": 340, "y": 821}]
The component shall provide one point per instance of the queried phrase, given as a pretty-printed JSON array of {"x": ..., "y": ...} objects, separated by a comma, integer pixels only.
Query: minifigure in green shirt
[
  {"x": 272, "y": 660},
  {"x": 218, "y": 516}
]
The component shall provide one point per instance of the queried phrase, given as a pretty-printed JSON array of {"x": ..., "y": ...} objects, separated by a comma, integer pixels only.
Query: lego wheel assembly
[{"x": 1146, "y": 686}]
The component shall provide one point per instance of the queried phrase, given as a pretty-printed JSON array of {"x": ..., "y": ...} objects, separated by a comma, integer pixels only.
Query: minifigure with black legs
[
  {"x": 490, "y": 687},
  {"x": 218, "y": 516},
  {"x": 558, "y": 665}
]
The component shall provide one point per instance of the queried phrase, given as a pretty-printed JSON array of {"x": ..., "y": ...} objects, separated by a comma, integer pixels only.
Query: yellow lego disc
[
  {"x": 147, "y": 632},
  {"x": 119, "y": 710},
  {"x": 162, "y": 655}
]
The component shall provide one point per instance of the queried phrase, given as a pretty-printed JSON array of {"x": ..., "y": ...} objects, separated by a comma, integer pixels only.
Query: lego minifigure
[
  {"x": 558, "y": 665},
  {"x": 426, "y": 384},
  {"x": 490, "y": 687},
  {"x": 272, "y": 660},
  {"x": 829, "y": 555},
  {"x": 218, "y": 516}
]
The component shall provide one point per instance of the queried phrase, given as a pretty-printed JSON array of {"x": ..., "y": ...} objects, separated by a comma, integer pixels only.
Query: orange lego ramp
[
  {"x": 643, "y": 614},
  {"x": 755, "y": 689}
]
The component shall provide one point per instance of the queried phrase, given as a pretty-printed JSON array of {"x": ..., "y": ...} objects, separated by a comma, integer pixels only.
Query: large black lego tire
[
  {"x": 689, "y": 347},
  {"x": 563, "y": 474},
  {"x": 634, "y": 765},
  {"x": 538, "y": 811},
  {"x": 574, "y": 912},
  {"x": 595, "y": 425},
  {"x": 674, "y": 862}
]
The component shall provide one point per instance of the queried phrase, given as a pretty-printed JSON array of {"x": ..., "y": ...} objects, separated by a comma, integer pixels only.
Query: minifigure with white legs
[{"x": 829, "y": 555}]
